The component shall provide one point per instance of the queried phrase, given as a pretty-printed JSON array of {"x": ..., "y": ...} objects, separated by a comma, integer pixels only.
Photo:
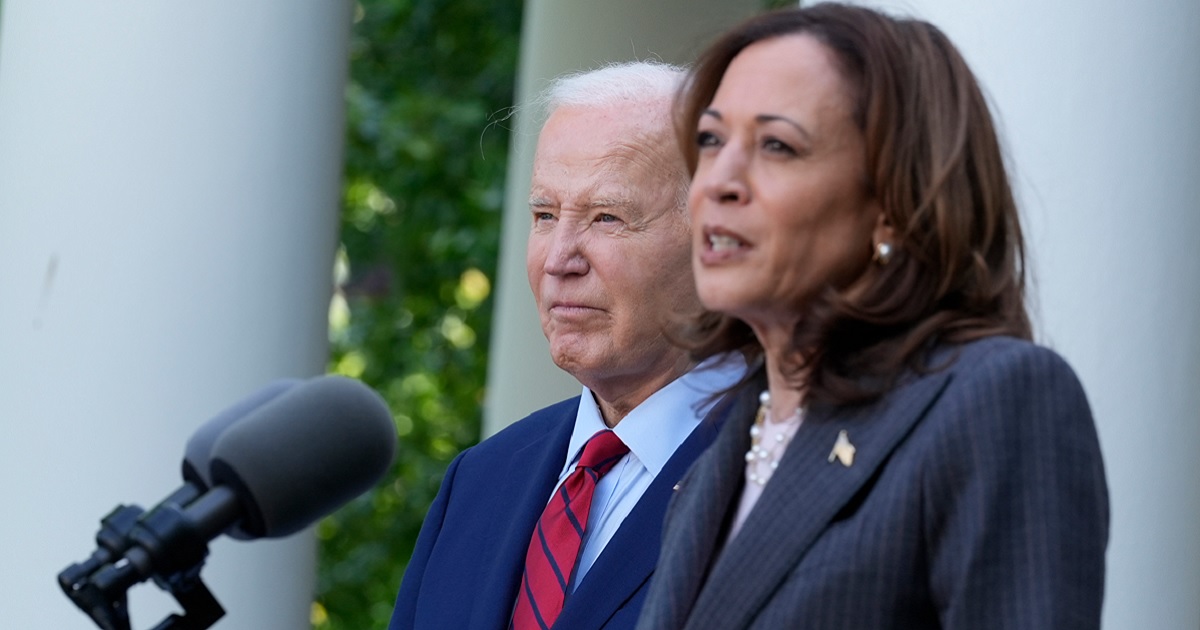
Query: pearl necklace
[{"x": 768, "y": 455}]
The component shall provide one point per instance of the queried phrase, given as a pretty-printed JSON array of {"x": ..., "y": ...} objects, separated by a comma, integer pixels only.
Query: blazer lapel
[
  {"x": 524, "y": 481},
  {"x": 697, "y": 512},
  {"x": 804, "y": 495},
  {"x": 628, "y": 559}
]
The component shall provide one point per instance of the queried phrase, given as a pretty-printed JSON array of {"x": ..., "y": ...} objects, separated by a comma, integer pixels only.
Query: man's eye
[{"x": 606, "y": 218}]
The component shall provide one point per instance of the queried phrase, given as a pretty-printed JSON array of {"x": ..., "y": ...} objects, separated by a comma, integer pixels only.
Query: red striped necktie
[{"x": 553, "y": 552}]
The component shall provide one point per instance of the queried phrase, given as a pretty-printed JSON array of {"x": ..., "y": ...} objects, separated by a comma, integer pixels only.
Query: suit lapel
[
  {"x": 711, "y": 485},
  {"x": 540, "y": 461},
  {"x": 804, "y": 495},
  {"x": 628, "y": 559}
]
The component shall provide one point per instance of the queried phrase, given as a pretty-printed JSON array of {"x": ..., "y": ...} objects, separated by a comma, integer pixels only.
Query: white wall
[
  {"x": 1099, "y": 102},
  {"x": 169, "y": 184}
]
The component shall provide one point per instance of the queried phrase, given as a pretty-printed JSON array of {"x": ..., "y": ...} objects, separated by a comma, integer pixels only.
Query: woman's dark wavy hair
[{"x": 935, "y": 165}]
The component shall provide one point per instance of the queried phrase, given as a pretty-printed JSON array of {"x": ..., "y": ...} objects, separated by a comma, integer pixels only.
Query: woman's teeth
[{"x": 720, "y": 242}]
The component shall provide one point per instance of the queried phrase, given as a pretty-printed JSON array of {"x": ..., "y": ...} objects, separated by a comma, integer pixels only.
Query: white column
[
  {"x": 561, "y": 36},
  {"x": 1098, "y": 103},
  {"x": 169, "y": 185}
]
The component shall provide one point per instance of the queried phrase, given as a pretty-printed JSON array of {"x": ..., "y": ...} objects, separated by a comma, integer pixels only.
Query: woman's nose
[{"x": 724, "y": 178}]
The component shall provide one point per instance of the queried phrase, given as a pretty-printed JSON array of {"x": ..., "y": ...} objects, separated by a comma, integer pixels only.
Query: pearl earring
[{"x": 883, "y": 253}]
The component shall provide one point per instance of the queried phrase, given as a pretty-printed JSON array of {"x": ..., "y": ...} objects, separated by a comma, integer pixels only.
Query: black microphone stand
[{"x": 168, "y": 544}]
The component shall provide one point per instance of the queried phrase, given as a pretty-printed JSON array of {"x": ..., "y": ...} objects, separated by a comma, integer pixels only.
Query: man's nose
[{"x": 566, "y": 255}]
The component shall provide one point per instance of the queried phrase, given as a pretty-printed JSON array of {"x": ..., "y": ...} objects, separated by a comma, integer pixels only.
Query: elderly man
[{"x": 555, "y": 521}]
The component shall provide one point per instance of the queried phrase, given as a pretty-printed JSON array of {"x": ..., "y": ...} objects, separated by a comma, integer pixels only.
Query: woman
[{"x": 913, "y": 460}]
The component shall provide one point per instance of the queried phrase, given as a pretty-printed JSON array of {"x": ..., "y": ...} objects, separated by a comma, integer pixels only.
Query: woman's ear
[
  {"x": 883, "y": 239},
  {"x": 884, "y": 232}
]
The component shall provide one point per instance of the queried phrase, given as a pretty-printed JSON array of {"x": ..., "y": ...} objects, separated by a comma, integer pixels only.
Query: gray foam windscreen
[{"x": 304, "y": 453}]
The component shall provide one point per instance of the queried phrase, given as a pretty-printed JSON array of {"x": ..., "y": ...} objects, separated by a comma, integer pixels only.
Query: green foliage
[{"x": 424, "y": 176}]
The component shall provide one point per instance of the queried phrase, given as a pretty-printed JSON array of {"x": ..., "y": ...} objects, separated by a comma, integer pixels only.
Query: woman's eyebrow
[
  {"x": 763, "y": 119},
  {"x": 766, "y": 118}
]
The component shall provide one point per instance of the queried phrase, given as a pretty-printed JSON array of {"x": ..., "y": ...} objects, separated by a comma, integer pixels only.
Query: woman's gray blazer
[{"x": 976, "y": 499}]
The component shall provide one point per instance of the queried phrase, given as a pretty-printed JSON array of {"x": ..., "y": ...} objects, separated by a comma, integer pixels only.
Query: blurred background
[
  {"x": 195, "y": 200},
  {"x": 427, "y": 131}
]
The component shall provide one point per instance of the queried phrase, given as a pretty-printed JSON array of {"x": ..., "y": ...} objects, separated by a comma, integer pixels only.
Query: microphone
[
  {"x": 266, "y": 467},
  {"x": 198, "y": 452},
  {"x": 304, "y": 454},
  {"x": 112, "y": 540}
]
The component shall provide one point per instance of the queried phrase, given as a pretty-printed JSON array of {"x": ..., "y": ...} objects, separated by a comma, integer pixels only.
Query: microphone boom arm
[{"x": 131, "y": 549}]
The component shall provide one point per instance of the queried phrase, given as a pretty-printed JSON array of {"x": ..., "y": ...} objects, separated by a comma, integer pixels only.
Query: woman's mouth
[{"x": 722, "y": 242}]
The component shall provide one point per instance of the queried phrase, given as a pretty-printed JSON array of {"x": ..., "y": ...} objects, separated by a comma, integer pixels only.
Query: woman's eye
[
  {"x": 707, "y": 139},
  {"x": 778, "y": 146}
]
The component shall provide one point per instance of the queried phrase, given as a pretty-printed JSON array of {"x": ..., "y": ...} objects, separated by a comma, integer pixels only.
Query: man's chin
[{"x": 578, "y": 360}]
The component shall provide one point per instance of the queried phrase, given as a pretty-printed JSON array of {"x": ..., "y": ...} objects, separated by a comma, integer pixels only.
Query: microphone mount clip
[{"x": 164, "y": 544}]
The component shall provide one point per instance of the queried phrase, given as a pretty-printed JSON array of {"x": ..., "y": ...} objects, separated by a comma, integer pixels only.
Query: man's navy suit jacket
[{"x": 467, "y": 564}]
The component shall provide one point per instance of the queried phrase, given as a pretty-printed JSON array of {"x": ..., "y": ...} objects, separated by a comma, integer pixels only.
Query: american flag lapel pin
[{"x": 843, "y": 450}]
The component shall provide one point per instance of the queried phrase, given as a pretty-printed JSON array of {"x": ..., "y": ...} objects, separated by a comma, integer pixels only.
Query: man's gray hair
[
  {"x": 650, "y": 83},
  {"x": 614, "y": 84}
]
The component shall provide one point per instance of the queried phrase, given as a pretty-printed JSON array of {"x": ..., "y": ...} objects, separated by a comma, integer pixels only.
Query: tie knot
[{"x": 602, "y": 451}]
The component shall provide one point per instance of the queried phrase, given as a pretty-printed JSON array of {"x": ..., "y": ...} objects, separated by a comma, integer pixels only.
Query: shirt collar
[{"x": 655, "y": 428}]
